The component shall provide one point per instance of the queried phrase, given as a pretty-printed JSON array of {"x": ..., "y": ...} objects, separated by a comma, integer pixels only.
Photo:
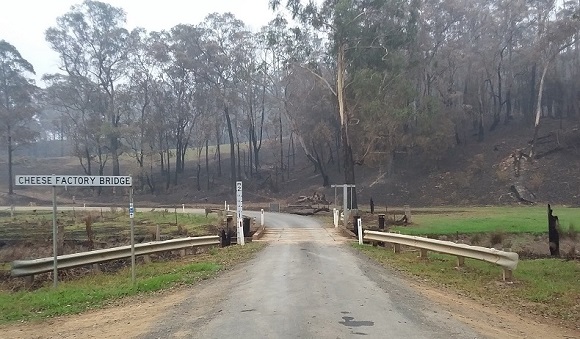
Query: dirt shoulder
[
  {"x": 134, "y": 317},
  {"x": 491, "y": 321}
]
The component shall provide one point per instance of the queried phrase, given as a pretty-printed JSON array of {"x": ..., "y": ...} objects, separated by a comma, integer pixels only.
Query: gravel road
[{"x": 308, "y": 283}]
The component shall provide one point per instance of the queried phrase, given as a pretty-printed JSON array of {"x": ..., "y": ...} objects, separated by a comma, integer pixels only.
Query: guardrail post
[
  {"x": 507, "y": 274},
  {"x": 262, "y": 217},
  {"x": 397, "y": 248},
  {"x": 360, "y": 231},
  {"x": 423, "y": 254},
  {"x": 460, "y": 261},
  {"x": 28, "y": 280},
  {"x": 157, "y": 233}
]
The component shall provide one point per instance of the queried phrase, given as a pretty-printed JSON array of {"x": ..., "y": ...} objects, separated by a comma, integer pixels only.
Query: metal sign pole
[
  {"x": 132, "y": 217},
  {"x": 54, "y": 243}
]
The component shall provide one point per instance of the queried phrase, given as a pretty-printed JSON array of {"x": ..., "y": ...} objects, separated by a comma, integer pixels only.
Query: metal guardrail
[
  {"x": 507, "y": 260},
  {"x": 22, "y": 268}
]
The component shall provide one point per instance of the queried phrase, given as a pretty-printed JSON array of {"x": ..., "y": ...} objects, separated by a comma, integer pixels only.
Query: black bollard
[
  {"x": 381, "y": 222},
  {"x": 246, "y": 225}
]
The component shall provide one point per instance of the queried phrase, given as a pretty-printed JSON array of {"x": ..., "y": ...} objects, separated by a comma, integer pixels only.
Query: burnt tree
[{"x": 553, "y": 233}]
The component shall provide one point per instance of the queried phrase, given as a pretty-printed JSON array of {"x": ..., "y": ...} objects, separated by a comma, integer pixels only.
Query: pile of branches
[{"x": 309, "y": 205}]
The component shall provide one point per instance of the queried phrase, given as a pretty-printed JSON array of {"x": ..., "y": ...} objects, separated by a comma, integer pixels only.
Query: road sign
[
  {"x": 73, "y": 180},
  {"x": 131, "y": 211},
  {"x": 240, "y": 236}
]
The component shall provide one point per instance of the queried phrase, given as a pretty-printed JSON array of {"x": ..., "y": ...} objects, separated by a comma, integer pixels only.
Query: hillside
[{"x": 473, "y": 173}]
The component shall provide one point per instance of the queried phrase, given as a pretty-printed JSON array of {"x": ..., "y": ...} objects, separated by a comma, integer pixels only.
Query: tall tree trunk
[
  {"x": 168, "y": 172},
  {"x": 219, "y": 154},
  {"x": 232, "y": 148},
  {"x": 530, "y": 105},
  {"x": 115, "y": 155},
  {"x": 207, "y": 161},
  {"x": 349, "y": 176},
  {"x": 281, "y": 145},
  {"x": 538, "y": 110},
  {"x": 10, "y": 178}
]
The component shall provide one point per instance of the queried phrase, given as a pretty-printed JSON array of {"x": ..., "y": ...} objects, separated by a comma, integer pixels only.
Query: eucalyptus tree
[
  {"x": 80, "y": 102},
  {"x": 284, "y": 53},
  {"x": 224, "y": 49},
  {"x": 139, "y": 132},
  {"x": 93, "y": 44},
  {"x": 179, "y": 64},
  {"x": 557, "y": 31},
  {"x": 17, "y": 101},
  {"x": 362, "y": 35}
]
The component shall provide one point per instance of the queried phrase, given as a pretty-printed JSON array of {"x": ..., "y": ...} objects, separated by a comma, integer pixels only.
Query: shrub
[
  {"x": 503, "y": 175},
  {"x": 572, "y": 232},
  {"x": 496, "y": 238},
  {"x": 536, "y": 179},
  {"x": 476, "y": 164},
  {"x": 475, "y": 239}
]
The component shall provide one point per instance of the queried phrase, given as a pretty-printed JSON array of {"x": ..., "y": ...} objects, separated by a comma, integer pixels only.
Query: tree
[
  {"x": 360, "y": 33},
  {"x": 554, "y": 38},
  {"x": 92, "y": 44},
  {"x": 17, "y": 102}
]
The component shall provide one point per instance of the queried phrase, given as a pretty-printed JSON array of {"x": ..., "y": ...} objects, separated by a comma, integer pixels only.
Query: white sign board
[
  {"x": 73, "y": 180},
  {"x": 239, "y": 215},
  {"x": 239, "y": 199},
  {"x": 131, "y": 211}
]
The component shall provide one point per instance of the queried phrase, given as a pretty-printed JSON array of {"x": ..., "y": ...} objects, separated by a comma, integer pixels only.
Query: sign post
[
  {"x": 75, "y": 180},
  {"x": 132, "y": 217},
  {"x": 54, "y": 242},
  {"x": 240, "y": 217}
]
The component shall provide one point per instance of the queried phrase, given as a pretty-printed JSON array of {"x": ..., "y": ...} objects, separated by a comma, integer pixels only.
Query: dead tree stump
[{"x": 553, "y": 233}]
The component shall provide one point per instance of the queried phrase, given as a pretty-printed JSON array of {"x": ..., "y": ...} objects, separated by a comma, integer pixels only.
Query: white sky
[{"x": 23, "y": 22}]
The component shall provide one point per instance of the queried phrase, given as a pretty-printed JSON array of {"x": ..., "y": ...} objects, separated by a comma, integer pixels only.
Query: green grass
[
  {"x": 547, "y": 287},
  {"x": 97, "y": 290},
  {"x": 38, "y": 225},
  {"x": 488, "y": 219}
]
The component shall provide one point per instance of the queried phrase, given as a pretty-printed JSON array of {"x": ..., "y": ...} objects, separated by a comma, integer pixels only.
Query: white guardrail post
[
  {"x": 262, "y": 217},
  {"x": 21, "y": 268},
  {"x": 507, "y": 260},
  {"x": 360, "y": 232}
]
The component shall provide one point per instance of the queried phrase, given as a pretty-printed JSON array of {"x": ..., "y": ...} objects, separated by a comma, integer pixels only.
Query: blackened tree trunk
[
  {"x": 207, "y": 161},
  {"x": 232, "y": 148},
  {"x": 553, "y": 233}
]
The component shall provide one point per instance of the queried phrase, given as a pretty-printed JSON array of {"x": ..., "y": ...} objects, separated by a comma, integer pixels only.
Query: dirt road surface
[{"x": 308, "y": 283}]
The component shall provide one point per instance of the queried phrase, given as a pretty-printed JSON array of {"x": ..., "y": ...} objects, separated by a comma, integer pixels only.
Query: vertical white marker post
[
  {"x": 225, "y": 205},
  {"x": 335, "y": 214},
  {"x": 183, "y": 208},
  {"x": 240, "y": 217},
  {"x": 360, "y": 233},
  {"x": 262, "y": 217}
]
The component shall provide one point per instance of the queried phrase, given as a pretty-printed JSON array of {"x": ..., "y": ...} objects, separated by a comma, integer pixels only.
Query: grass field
[
  {"x": 106, "y": 224},
  {"x": 97, "y": 289},
  {"x": 542, "y": 287},
  {"x": 488, "y": 219}
]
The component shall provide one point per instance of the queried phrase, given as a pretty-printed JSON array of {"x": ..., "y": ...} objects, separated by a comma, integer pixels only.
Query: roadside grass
[
  {"x": 38, "y": 225},
  {"x": 98, "y": 289},
  {"x": 532, "y": 220},
  {"x": 542, "y": 287}
]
